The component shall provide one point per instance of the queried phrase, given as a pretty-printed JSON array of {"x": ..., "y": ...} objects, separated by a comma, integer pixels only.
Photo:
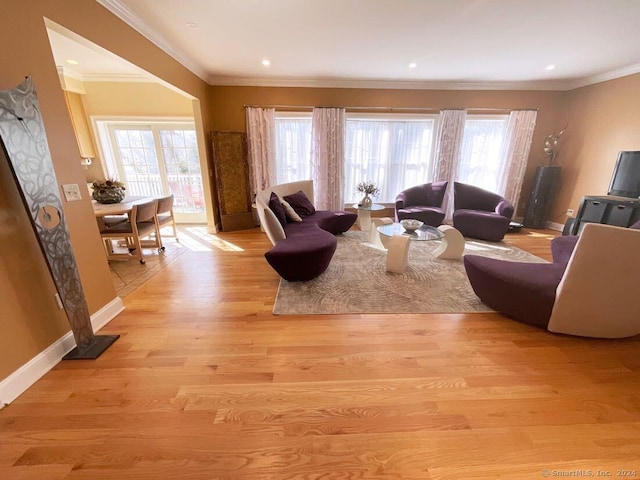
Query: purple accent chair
[
  {"x": 479, "y": 213},
  {"x": 589, "y": 289},
  {"x": 422, "y": 202}
]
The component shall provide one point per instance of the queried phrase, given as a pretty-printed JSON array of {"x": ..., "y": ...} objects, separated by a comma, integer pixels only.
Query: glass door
[{"x": 160, "y": 159}]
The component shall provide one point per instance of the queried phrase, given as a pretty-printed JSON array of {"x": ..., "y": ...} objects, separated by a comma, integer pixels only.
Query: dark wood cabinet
[{"x": 607, "y": 209}]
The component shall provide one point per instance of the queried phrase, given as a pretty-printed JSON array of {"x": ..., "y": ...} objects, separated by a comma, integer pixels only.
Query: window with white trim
[
  {"x": 393, "y": 151},
  {"x": 482, "y": 151}
]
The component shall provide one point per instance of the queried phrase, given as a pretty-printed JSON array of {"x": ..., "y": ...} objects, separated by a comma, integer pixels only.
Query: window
[
  {"x": 481, "y": 159},
  {"x": 156, "y": 159},
  {"x": 293, "y": 147},
  {"x": 393, "y": 151}
]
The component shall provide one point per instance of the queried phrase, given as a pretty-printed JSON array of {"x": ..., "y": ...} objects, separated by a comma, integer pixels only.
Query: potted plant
[
  {"x": 108, "y": 191},
  {"x": 368, "y": 188}
]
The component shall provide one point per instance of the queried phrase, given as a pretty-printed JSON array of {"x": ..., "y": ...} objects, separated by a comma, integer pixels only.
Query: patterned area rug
[{"x": 357, "y": 281}]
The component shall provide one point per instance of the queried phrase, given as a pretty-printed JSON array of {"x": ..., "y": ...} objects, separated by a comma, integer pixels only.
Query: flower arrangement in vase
[
  {"x": 108, "y": 191},
  {"x": 368, "y": 188}
]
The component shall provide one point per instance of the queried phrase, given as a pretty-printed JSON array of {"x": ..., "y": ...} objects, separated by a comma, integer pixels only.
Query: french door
[{"x": 160, "y": 159}]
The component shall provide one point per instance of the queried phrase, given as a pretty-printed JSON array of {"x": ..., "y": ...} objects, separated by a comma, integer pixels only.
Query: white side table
[{"x": 364, "y": 215}]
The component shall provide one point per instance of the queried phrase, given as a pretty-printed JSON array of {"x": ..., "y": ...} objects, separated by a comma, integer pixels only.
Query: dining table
[{"x": 124, "y": 207}]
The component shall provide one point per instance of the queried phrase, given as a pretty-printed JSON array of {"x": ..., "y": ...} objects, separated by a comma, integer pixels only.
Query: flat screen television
[{"x": 625, "y": 181}]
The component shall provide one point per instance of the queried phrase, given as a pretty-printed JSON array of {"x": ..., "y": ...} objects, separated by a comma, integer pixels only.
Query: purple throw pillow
[
  {"x": 276, "y": 207},
  {"x": 300, "y": 203}
]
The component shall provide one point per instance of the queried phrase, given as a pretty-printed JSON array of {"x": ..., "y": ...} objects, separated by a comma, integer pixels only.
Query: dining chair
[
  {"x": 164, "y": 216},
  {"x": 141, "y": 224}
]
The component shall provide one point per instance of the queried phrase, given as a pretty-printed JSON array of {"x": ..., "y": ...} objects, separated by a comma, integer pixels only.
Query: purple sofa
[
  {"x": 523, "y": 291},
  {"x": 422, "y": 202},
  {"x": 479, "y": 213},
  {"x": 307, "y": 246}
]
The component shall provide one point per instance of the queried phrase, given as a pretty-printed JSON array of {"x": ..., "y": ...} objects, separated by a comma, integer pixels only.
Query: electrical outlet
[
  {"x": 71, "y": 192},
  {"x": 569, "y": 212}
]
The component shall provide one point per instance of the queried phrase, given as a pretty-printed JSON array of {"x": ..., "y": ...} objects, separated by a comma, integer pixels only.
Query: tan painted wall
[
  {"x": 27, "y": 52},
  {"x": 130, "y": 100},
  {"x": 603, "y": 119},
  {"x": 134, "y": 99},
  {"x": 228, "y": 112}
]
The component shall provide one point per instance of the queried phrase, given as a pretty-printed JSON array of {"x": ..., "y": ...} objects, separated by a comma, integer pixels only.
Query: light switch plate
[{"x": 71, "y": 192}]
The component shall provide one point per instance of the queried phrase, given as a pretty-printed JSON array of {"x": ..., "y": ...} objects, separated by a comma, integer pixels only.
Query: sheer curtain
[
  {"x": 327, "y": 157},
  {"x": 447, "y": 157},
  {"x": 482, "y": 159},
  {"x": 516, "y": 153},
  {"x": 261, "y": 140},
  {"x": 393, "y": 154},
  {"x": 293, "y": 149}
]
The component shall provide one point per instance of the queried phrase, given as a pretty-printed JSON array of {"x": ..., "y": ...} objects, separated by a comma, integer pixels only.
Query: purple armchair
[
  {"x": 422, "y": 202},
  {"x": 479, "y": 213}
]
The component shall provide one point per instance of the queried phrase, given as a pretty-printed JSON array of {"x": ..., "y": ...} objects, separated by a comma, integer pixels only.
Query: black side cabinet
[
  {"x": 608, "y": 209},
  {"x": 545, "y": 185}
]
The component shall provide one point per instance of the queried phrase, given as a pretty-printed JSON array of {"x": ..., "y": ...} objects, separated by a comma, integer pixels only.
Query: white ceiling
[{"x": 455, "y": 43}]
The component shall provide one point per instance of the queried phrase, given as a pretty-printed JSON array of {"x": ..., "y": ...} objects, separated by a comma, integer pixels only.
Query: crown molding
[
  {"x": 383, "y": 84},
  {"x": 126, "y": 15},
  {"x": 603, "y": 77}
]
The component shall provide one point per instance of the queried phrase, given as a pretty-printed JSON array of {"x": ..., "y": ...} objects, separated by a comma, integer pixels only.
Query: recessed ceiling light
[
  {"x": 550, "y": 67},
  {"x": 266, "y": 62},
  {"x": 192, "y": 25},
  {"x": 73, "y": 62},
  {"x": 413, "y": 65}
]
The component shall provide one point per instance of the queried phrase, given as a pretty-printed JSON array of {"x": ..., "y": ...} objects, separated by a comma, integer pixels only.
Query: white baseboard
[
  {"x": 558, "y": 227},
  {"x": 19, "y": 381}
]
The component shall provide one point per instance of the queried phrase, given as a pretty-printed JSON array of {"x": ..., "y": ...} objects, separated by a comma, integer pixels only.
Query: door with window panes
[{"x": 160, "y": 159}]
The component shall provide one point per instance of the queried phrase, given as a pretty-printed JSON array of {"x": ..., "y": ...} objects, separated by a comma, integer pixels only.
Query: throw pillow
[
  {"x": 277, "y": 208},
  {"x": 291, "y": 213},
  {"x": 300, "y": 203}
]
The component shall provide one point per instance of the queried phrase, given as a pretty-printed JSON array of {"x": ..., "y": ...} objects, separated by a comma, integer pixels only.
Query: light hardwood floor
[{"x": 206, "y": 383}]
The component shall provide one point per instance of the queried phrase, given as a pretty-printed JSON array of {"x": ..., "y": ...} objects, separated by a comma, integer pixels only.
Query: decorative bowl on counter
[{"x": 411, "y": 225}]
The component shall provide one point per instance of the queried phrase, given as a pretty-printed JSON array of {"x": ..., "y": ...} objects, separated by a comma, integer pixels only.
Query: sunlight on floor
[
  {"x": 483, "y": 247},
  {"x": 197, "y": 239}
]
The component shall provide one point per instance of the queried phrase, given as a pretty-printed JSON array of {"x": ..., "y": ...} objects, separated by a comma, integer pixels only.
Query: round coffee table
[{"x": 397, "y": 240}]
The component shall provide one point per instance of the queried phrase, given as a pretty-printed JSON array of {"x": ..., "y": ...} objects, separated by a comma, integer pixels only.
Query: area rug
[{"x": 357, "y": 281}]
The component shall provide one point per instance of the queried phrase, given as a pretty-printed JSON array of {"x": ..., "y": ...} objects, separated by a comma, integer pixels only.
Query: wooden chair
[{"x": 141, "y": 224}]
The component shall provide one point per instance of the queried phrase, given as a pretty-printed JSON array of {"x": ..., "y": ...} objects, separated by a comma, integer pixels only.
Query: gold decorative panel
[{"x": 232, "y": 179}]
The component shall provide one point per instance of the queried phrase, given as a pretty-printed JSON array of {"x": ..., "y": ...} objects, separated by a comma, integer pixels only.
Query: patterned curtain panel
[
  {"x": 447, "y": 156},
  {"x": 261, "y": 144},
  {"x": 327, "y": 156},
  {"x": 518, "y": 144}
]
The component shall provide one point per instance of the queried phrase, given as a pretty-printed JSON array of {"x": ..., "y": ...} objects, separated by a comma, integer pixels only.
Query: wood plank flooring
[{"x": 206, "y": 383}]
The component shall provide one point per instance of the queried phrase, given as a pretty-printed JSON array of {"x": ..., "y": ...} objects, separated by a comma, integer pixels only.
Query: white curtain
[
  {"x": 261, "y": 143},
  {"x": 447, "y": 155},
  {"x": 392, "y": 153},
  {"x": 327, "y": 157},
  {"x": 516, "y": 153}
]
